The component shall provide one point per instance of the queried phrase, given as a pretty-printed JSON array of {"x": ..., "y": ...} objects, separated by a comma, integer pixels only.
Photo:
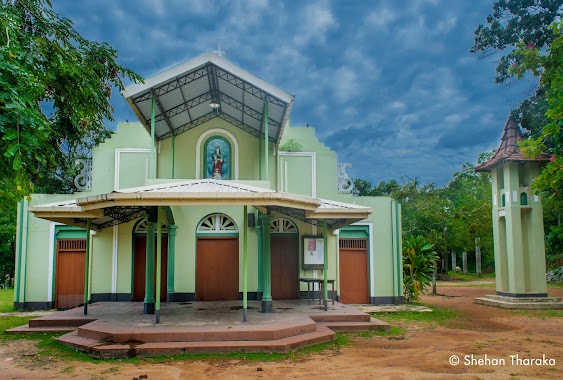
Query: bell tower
[{"x": 517, "y": 226}]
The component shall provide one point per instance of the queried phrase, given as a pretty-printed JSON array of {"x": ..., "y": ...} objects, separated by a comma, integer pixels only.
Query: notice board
[{"x": 313, "y": 252}]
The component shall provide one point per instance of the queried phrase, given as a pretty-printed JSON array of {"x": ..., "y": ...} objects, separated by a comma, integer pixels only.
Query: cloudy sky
[{"x": 389, "y": 85}]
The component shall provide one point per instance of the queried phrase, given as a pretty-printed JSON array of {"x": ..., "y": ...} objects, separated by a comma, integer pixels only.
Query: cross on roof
[{"x": 220, "y": 52}]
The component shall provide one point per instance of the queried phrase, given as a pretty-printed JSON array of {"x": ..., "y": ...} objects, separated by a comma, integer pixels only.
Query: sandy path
[{"x": 422, "y": 353}]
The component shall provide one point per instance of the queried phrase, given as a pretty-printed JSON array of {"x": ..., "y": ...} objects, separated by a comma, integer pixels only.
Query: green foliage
[
  {"x": 8, "y": 212},
  {"x": 451, "y": 217},
  {"x": 55, "y": 91},
  {"x": 291, "y": 146},
  {"x": 548, "y": 65},
  {"x": 511, "y": 22},
  {"x": 364, "y": 188},
  {"x": 419, "y": 261}
]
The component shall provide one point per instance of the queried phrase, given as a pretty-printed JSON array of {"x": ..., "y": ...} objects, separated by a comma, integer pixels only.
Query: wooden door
[
  {"x": 217, "y": 269},
  {"x": 139, "y": 274},
  {"x": 285, "y": 266},
  {"x": 69, "y": 284},
  {"x": 354, "y": 285}
]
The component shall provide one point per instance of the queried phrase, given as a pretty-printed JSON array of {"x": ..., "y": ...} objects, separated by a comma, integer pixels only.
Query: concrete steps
[
  {"x": 372, "y": 325},
  {"x": 101, "y": 349},
  {"x": 122, "y": 330},
  {"x": 100, "y": 330},
  {"x": 532, "y": 303}
]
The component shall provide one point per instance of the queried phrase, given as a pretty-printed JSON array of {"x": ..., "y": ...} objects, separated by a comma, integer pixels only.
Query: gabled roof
[
  {"x": 182, "y": 95},
  {"x": 125, "y": 205},
  {"x": 508, "y": 149}
]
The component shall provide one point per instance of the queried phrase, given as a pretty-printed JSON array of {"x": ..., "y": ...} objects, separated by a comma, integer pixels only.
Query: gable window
[{"x": 218, "y": 158}]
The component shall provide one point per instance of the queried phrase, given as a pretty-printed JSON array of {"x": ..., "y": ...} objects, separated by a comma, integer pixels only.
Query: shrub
[{"x": 419, "y": 260}]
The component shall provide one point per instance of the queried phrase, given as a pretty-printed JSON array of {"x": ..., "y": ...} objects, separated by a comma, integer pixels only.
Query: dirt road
[{"x": 423, "y": 352}]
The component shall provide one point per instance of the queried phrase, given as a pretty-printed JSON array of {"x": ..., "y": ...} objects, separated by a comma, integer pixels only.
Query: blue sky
[{"x": 389, "y": 85}]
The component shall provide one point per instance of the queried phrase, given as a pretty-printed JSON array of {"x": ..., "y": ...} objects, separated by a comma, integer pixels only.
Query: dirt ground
[{"x": 423, "y": 352}]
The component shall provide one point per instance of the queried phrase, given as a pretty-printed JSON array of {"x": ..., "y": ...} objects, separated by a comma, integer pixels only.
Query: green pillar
[
  {"x": 173, "y": 138},
  {"x": 149, "y": 273},
  {"x": 158, "y": 263},
  {"x": 87, "y": 267},
  {"x": 260, "y": 159},
  {"x": 266, "y": 134},
  {"x": 267, "y": 304},
  {"x": 325, "y": 267},
  {"x": 171, "y": 252},
  {"x": 260, "y": 269},
  {"x": 245, "y": 267},
  {"x": 153, "y": 148}
]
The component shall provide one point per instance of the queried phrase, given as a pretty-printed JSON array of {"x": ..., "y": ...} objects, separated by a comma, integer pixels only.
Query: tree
[
  {"x": 513, "y": 22},
  {"x": 548, "y": 65},
  {"x": 521, "y": 31},
  {"x": 7, "y": 232},
  {"x": 449, "y": 217},
  {"x": 55, "y": 91}
]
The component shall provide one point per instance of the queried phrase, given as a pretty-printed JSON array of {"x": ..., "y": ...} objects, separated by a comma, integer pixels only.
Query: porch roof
[
  {"x": 124, "y": 205},
  {"x": 183, "y": 94}
]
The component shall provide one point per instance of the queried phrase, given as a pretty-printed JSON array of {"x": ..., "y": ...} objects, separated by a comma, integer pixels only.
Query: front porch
[{"x": 120, "y": 329}]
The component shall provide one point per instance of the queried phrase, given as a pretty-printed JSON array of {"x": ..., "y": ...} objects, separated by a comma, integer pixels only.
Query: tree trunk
[
  {"x": 478, "y": 256},
  {"x": 464, "y": 259}
]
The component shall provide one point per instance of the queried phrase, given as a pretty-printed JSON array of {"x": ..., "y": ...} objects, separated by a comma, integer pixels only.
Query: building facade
[{"x": 212, "y": 168}]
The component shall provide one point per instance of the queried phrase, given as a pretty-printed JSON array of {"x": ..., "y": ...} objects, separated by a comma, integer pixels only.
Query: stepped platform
[
  {"x": 120, "y": 329},
  {"x": 523, "y": 303}
]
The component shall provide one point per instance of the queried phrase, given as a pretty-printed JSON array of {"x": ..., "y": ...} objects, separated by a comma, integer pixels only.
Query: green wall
[{"x": 134, "y": 142}]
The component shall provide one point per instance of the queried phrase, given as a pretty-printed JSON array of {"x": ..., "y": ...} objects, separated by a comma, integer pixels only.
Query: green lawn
[
  {"x": 438, "y": 315},
  {"x": 6, "y": 300},
  {"x": 469, "y": 276}
]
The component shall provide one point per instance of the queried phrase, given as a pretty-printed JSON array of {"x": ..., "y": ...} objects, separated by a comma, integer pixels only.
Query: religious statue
[{"x": 217, "y": 163}]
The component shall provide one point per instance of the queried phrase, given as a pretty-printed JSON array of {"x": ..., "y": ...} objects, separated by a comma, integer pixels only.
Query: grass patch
[
  {"x": 455, "y": 276},
  {"x": 394, "y": 331},
  {"x": 557, "y": 285},
  {"x": 9, "y": 322},
  {"x": 542, "y": 314},
  {"x": 6, "y": 300},
  {"x": 438, "y": 315}
]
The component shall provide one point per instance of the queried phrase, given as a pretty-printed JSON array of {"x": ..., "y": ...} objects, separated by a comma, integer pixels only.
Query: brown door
[
  {"x": 139, "y": 274},
  {"x": 217, "y": 269},
  {"x": 354, "y": 271},
  {"x": 69, "y": 285},
  {"x": 285, "y": 267}
]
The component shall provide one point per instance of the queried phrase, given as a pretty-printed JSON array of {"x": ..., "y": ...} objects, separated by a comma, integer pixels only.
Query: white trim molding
[
  {"x": 51, "y": 275},
  {"x": 118, "y": 152},
  {"x": 371, "y": 256},
  {"x": 200, "y": 141},
  {"x": 313, "y": 156}
]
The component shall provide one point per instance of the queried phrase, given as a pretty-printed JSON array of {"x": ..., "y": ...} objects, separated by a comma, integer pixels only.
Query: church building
[{"x": 212, "y": 195}]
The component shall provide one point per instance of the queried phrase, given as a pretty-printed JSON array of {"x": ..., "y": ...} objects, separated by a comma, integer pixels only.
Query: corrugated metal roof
[
  {"x": 198, "y": 186},
  {"x": 182, "y": 95},
  {"x": 125, "y": 205}
]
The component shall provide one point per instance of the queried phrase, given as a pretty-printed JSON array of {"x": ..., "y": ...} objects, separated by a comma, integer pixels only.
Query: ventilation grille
[
  {"x": 353, "y": 243},
  {"x": 71, "y": 244}
]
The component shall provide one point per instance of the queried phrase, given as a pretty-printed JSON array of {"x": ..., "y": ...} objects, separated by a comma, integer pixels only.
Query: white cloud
[
  {"x": 314, "y": 22},
  {"x": 381, "y": 18}
]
